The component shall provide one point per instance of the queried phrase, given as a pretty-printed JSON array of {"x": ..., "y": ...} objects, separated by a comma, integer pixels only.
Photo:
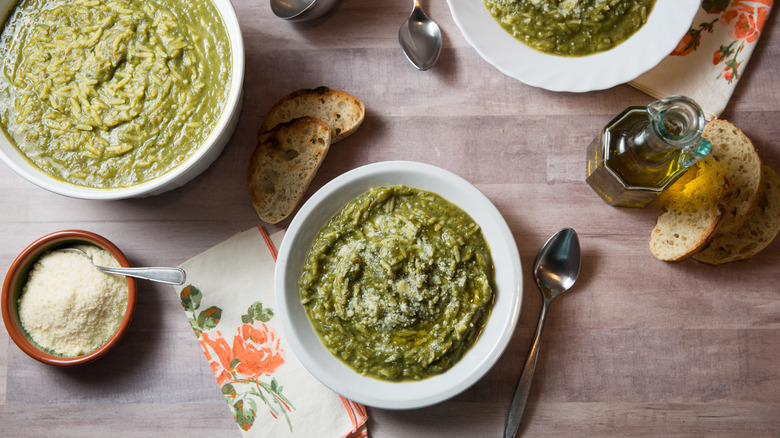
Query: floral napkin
[
  {"x": 709, "y": 60},
  {"x": 229, "y": 301}
]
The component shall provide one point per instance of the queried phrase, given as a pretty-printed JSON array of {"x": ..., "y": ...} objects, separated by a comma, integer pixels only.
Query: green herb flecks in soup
[
  {"x": 399, "y": 283},
  {"x": 570, "y": 27}
]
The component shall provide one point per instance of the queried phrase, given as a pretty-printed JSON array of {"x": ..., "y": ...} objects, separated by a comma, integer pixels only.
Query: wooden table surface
[{"x": 639, "y": 348}]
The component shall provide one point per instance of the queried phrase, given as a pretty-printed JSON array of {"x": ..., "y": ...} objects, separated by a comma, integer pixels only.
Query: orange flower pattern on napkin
[
  {"x": 257, "y": 349},
  {"x": 229, "y": 304},
  {"x": 744, "y": 19},
  {"x": 710, "y": 59},
  {"x": 240, "y": 367}
]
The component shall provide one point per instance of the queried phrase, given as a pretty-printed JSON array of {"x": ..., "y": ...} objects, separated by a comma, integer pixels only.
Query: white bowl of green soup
[
  {"x": 398, "y": 284},
  {"x": 573, "y": 46},
  {"x": 111, "y": 99}
]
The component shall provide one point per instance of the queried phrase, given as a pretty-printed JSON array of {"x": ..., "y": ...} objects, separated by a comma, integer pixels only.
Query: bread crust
[
  {"x": 758, "y": 231},
  {"x": 733, "y": 151},
  {"x": 343, "y": 112}
]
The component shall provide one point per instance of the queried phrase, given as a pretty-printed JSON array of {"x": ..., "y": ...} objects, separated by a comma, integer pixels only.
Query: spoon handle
[
  {"x": 160, "y": 275},
  {"x": 524, "y": 385}
]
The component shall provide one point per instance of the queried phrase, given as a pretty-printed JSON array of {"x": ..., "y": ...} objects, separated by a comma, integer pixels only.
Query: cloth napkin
[
  {"x": 710, "y": 59},
  {"x": 229, "y": 301}
]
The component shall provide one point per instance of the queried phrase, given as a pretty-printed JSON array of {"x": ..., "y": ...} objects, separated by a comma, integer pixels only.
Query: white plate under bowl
[
  {"x": 666, "y": 25},
  {"x": 199, "y": 161},
  {"x": 331, "y": 371}
]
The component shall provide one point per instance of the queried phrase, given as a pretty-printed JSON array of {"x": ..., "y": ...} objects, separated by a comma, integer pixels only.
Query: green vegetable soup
[
  {"x": 112, "y": 93},
  {"x": 570, "y": 27},
  {"x": 399, "y": 283}
]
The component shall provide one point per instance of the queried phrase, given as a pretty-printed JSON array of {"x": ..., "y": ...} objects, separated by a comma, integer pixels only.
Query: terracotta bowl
[{"x": 16, "y": 278}]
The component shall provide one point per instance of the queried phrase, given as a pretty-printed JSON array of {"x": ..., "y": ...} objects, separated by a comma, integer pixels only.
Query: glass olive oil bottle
[{"x": 644, "y": 150}]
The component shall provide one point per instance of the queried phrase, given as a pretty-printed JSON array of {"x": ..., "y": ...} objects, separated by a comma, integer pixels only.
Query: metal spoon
[
  {"x": 555, "y": 270},
  {"x": 301, "y": 10},
  {"x": 420, "y": 39},
  {"x": 160, "y": 275}
]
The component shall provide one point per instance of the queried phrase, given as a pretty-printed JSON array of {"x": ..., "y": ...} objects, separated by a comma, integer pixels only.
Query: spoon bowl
[
  {"x": 556, "y": 268},
  {"x": 158, "y": 274},
  {"x": 557, "y": 265},
  {"x": 301, "y": 10},
  {"x": 420, "y": 39}
]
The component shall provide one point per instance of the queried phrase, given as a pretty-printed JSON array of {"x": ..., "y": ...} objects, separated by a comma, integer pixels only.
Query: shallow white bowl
[
  {"x": 331, "y": 371},
  {"x": 666, "y": 25},
  {"x": 178, "y": 176}
]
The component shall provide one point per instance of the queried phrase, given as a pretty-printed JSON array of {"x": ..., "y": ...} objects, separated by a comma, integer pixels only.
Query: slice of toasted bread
[
  {"x": 690, "y": 218},
  {"x": 283, "y": 164},
  {"x": 734, "y": 151},
  {"x": 756, "y": 233},
  {"x": 343, "y": 112}
]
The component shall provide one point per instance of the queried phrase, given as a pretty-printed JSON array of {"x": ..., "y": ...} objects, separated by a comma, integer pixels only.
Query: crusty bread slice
[
  {"x": 690, "y": 218},
  {"x": 756, "y": 233},
  {"x": 343, "y": 112},
  {"x": 734, "y": 151},
  {"x": 283, "y": 164}
]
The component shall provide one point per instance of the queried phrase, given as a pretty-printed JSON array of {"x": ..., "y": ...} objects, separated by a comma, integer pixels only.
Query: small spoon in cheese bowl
[{"x": 158, "y": 274}]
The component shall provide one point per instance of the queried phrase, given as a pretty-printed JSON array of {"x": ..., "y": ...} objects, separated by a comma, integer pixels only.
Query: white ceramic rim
[
  {"x": 666, "y": 25},
  {"x": 331, "y": 371},
  {"x": 177, "y": 176}
]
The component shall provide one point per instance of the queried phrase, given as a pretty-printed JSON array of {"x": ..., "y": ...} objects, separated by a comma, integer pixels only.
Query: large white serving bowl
[
  {"x": 199, "y": 161},
  {"x": 666, "y": 25},
  {"x": 329, "y": 370}
]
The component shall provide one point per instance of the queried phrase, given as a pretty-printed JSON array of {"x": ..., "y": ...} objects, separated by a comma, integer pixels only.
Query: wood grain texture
[{"x": 638, "y": 348}]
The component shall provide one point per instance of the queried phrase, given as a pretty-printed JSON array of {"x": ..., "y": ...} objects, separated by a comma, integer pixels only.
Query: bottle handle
[
  {"x": 679, "y": 121},
  {"x": 695, "y": 153}
]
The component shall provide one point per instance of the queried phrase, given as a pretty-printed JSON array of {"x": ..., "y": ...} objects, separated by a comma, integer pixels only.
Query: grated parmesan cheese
[
  {"x": 398, "y": 283},
  {"x": 69, "y": 307}
]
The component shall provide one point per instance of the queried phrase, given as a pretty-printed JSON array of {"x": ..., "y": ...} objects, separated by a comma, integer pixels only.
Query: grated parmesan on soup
[{"x": 68, "y": 306}]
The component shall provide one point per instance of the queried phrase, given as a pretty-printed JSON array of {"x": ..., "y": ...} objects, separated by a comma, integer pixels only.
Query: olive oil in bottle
[{"x": 644, "y": 150}]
